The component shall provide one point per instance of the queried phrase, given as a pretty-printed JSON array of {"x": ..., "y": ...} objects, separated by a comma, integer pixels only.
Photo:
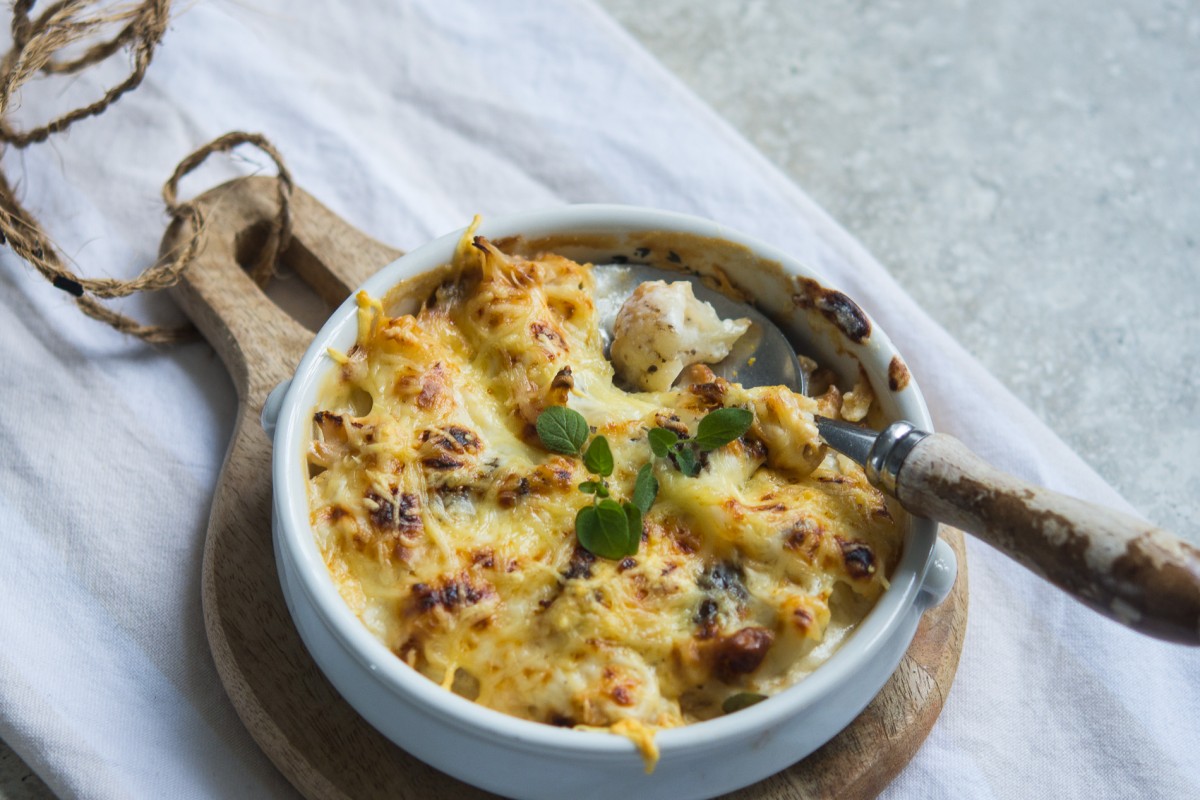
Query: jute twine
[{"x": 37, "y": 43}]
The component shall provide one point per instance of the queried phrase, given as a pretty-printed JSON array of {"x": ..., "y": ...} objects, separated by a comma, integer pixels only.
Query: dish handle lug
[
  {"x": 270, "y": 412},
  {"x": 939, "y": 575}
]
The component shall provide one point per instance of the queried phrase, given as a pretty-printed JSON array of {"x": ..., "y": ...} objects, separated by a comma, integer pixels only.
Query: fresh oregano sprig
[
  {"x": 562, "y": 430},
  {"x": 736, "y": 702},
  {"x": 605, "y": 528},
  {"x": 610, "y": 529},
  {"x": 717, "y": 429}
]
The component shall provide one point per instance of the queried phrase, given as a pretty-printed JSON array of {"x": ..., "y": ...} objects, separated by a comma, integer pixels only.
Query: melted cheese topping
[{"x": 449, "y": 529}]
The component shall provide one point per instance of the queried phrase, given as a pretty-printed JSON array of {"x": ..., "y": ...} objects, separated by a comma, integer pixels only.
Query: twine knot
[{"x": 37, "y": 41}]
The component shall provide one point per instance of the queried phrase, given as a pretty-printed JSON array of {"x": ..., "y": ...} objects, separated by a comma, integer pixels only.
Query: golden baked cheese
[{"x": 450, "y": 529}]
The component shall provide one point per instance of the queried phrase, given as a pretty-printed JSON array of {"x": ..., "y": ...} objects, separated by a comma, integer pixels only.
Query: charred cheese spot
[
  {"x": 860, "y": 559},
  {"x": 561, "y": 386},
  {"x": 511, "y": 488},
  {"x": 804, "y": 537},
  {"x": 331, "y": 442},
  {"x": 742, "y": 653},
  {"x": 580, "y": 565},
  {"x": 711, "y": 394},
  {"x": 898, "y": 375},
  {"x": 453, "y": 440},
  {"x": 549, "y": 338},
  {"x": 400, "y": 512},
  {"x": 450, "y": 594}
]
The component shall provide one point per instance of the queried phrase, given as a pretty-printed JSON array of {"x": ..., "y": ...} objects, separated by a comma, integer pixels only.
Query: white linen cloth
[{"x": 406, "y": 118}]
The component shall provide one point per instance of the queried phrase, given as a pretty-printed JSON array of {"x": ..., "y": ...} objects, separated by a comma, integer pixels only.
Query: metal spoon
[{"x": 1120, "y": 566}]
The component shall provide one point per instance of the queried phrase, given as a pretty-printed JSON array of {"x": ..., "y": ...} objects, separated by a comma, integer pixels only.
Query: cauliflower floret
[
  {"x": 662, "y": 328},
  {"x": 857, "y": 402}
]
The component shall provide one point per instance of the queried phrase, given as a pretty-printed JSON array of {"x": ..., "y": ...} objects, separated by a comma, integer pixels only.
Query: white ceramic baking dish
[{"x": 520, "y": 758}]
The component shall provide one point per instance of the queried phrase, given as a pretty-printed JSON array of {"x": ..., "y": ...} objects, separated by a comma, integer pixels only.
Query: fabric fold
[{"x": 407, "y": 119}]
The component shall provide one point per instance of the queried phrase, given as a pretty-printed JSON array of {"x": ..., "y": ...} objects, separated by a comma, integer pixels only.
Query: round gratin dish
[{"x": 520, "y": 758}]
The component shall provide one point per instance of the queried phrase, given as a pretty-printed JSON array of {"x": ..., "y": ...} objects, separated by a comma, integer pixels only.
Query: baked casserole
[{"x": 451, "y": 528}]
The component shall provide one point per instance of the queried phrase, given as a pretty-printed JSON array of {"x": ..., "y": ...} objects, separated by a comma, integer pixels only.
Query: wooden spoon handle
[{"x": 1126, "y": 569}]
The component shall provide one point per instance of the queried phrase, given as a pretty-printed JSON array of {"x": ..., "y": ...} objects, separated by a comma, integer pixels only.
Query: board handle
[
  {"x": 259, "y": 342},
  {"x": 1126, "y": 569}
]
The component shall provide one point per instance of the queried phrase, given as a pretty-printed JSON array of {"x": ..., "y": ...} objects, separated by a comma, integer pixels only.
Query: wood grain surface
[
  {"x": 313, "y": 736},
  {"x": 1122, "y": 567}
]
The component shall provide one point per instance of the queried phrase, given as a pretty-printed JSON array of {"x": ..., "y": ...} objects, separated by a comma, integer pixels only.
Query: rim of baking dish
[{"x": 312, "y": 577}]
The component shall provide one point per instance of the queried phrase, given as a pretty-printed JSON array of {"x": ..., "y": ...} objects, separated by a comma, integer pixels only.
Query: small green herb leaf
[
  {"x": 736, "y": 702},
  {"x": 661, "y": 441},
  {"x": 589, "y": 487},
  {"x": 599, "y": 458},
  {"x": 633, "y": 518},
  {"x": 645, "y": 488},
  {"x": 562, "y": 430},
  {"x": 722, "y": 426},
  {"x": 685, "y": 459},
  {"x": 603, "y": 529}
]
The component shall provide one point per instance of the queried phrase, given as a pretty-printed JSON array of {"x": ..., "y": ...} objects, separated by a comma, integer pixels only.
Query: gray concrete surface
[
  {"x": 1027, "y": 170},
  {"x": 17, "y": 780}
]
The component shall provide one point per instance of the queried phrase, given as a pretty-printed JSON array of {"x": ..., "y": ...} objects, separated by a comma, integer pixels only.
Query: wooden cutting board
[{"x": 313, "y": 736}]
